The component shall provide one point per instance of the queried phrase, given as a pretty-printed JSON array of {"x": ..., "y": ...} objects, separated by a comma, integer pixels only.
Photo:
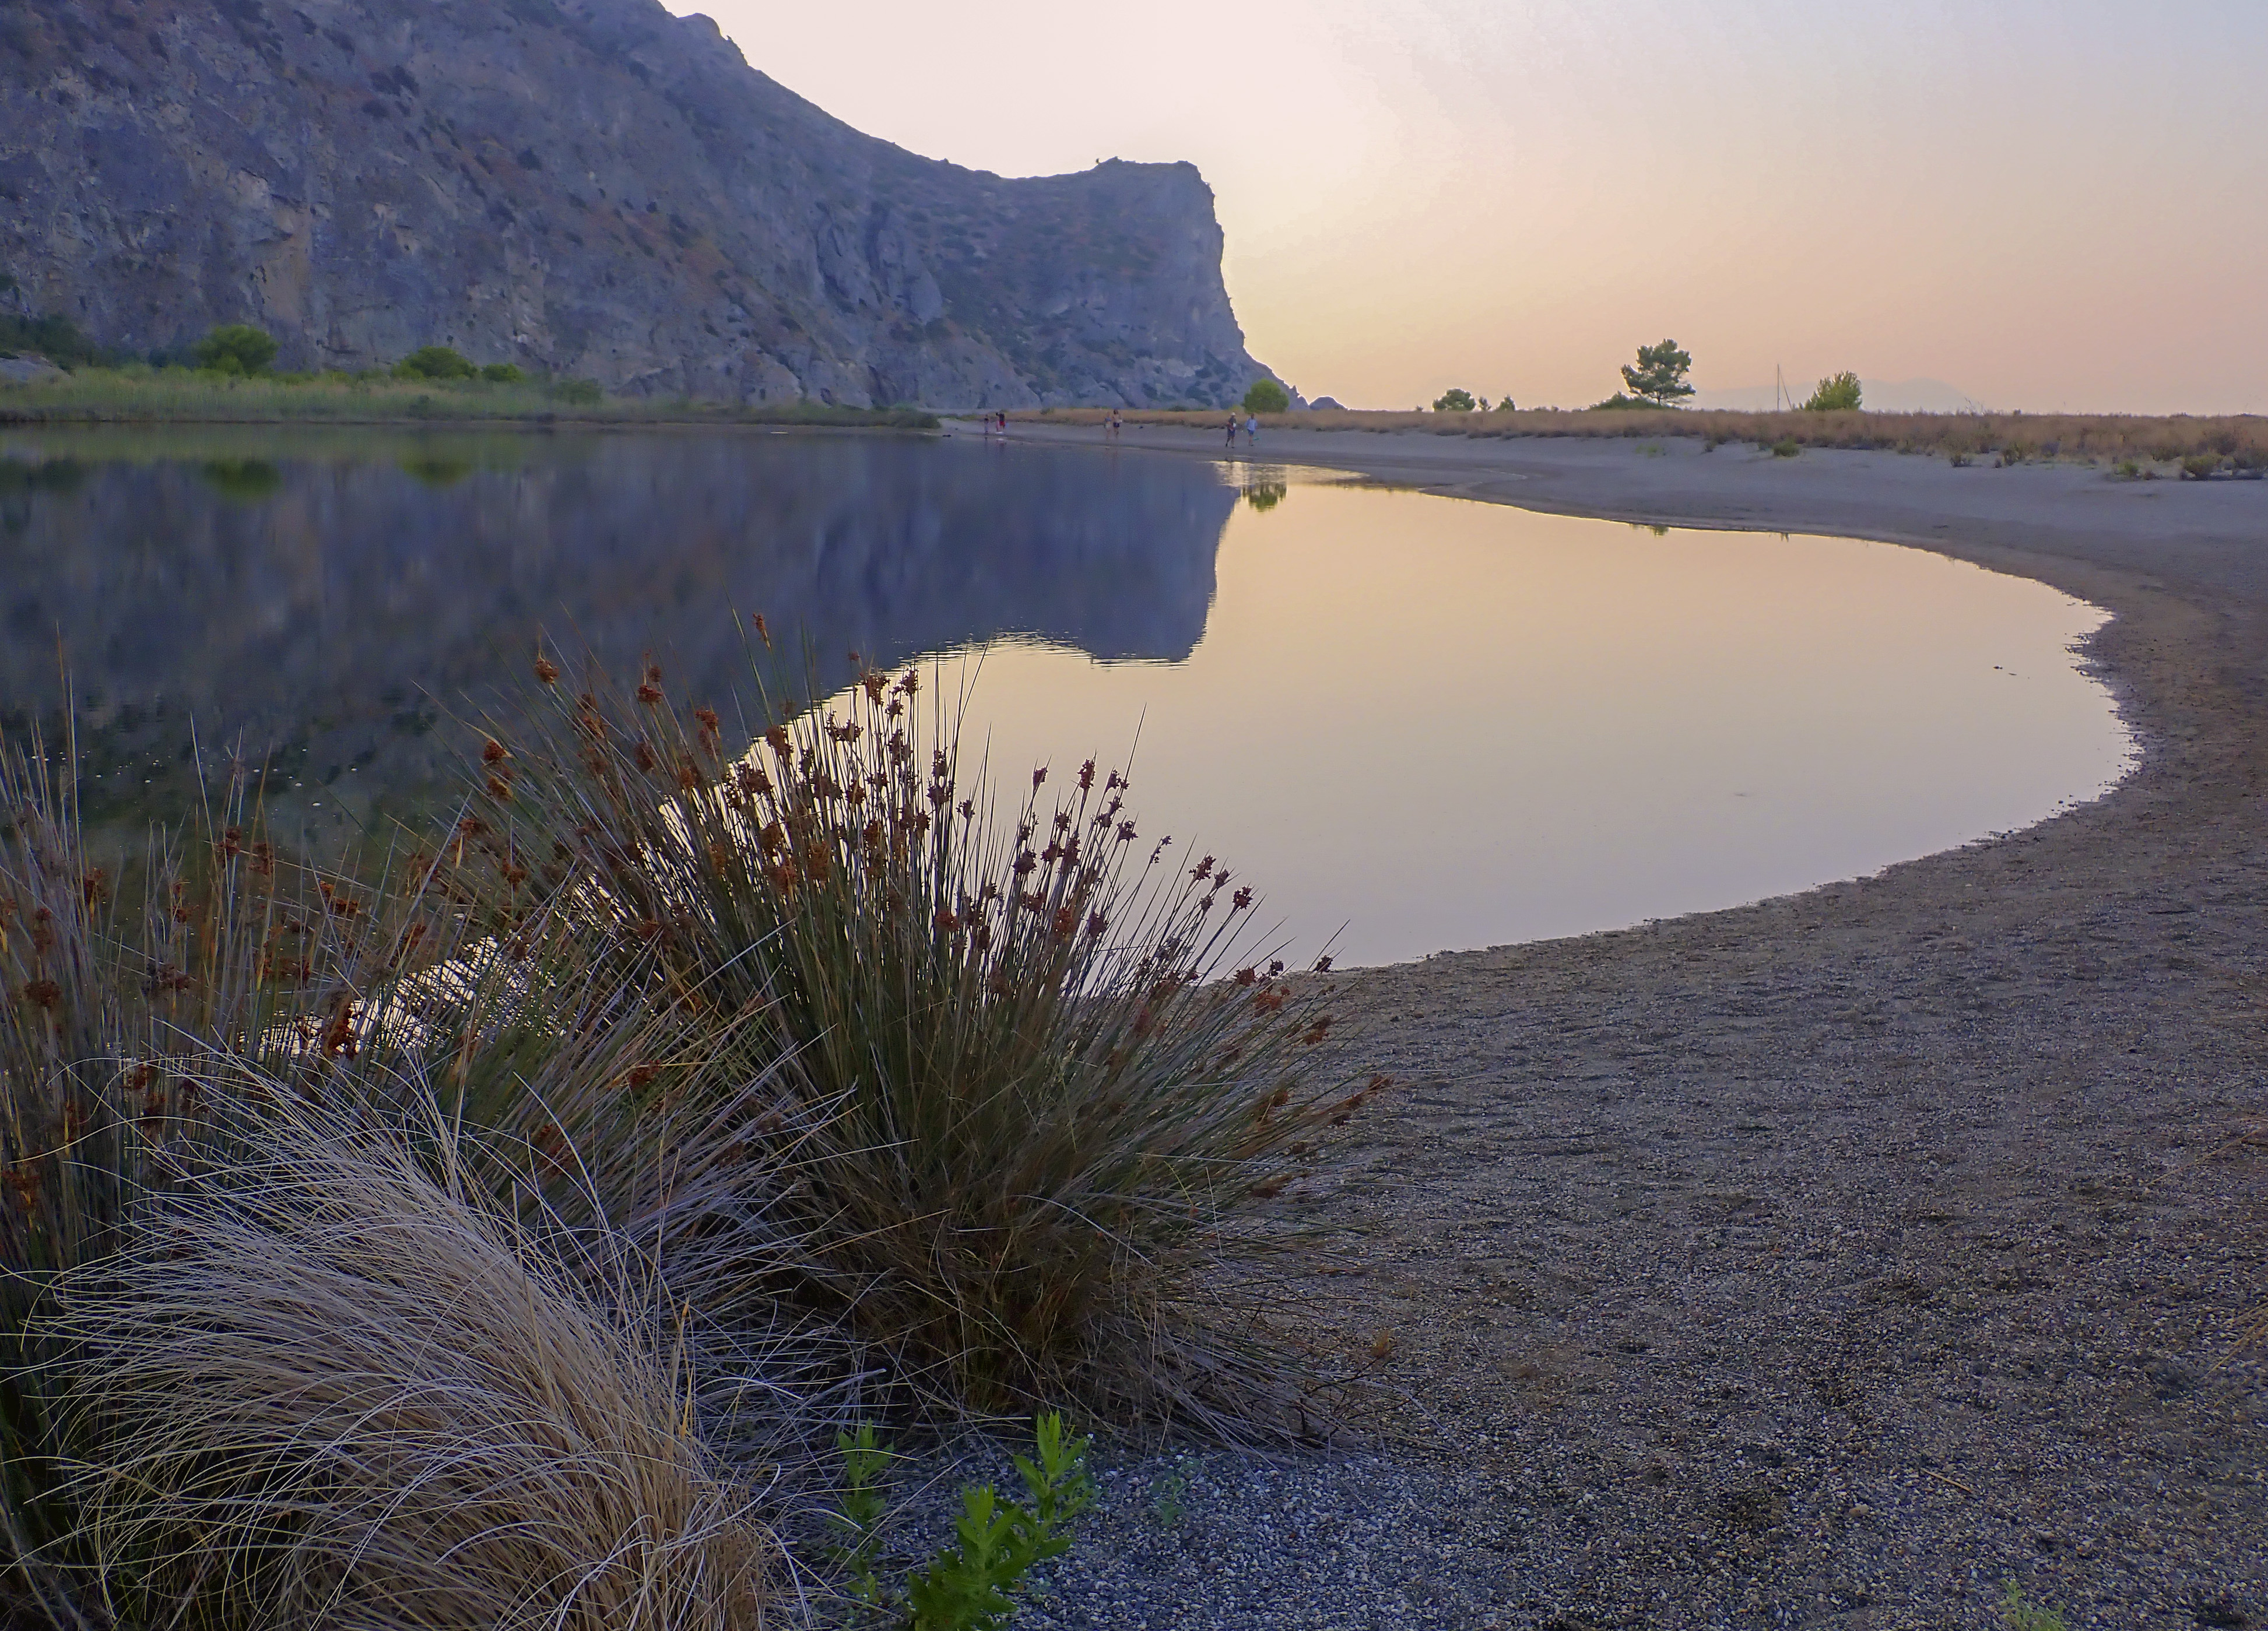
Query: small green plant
[
  {"x": 859, "y": 1525},
  {"x": 580, "y": 392},
  {"x": 970, "y": 1585},
  {"x": 2023, "y": 1614},
  {"x": 1958, "y": 459},
  {"x": 435, "y": 362},
  {"x": 1837, "y": 393},
  {"x": 502, "y": 374},
  {"x": 1168, "y": 1495},
  {"x": 1456, "y": 400},
  {"x": 235, "y": 348},
  {"x": 967, "y": 1586},
  {"x": 1265, "y": 396},
  {"x": 1787, "y": 447},
  {"x": 2127, "y": 470},
  {"x": 2198, "y": 466}
]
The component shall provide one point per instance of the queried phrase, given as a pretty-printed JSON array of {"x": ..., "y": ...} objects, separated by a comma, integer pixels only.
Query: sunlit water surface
[{"x": 1416, "y": 724}]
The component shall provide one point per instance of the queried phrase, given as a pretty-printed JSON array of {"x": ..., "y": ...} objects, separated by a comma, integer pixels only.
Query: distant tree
[
  {"x": 1837, "y": 393},
  {"x": 502, "y": 374},
  {"x": 435, "y": 362},
  {"x": 1266, "y": 397},
  {"x": 1658, "y": 379},
  {"x": 1504, "y": 403},
  {"x": 1456, "y": 400},
  {"x": 235, "y": 348}
]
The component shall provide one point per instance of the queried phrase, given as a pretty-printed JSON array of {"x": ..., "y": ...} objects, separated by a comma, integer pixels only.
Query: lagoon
[{"x": 1413, "y": 723}]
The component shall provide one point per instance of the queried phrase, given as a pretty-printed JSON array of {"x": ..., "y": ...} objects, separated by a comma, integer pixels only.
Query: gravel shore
[{"x": 1832, "y": 1260}]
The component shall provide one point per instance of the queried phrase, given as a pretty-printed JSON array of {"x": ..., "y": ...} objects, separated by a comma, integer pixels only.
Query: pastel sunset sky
[{"x": 2050, "y": 205}]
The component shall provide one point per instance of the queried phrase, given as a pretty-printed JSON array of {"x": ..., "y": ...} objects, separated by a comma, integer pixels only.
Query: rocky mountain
[{"x": 588, "y": 188}]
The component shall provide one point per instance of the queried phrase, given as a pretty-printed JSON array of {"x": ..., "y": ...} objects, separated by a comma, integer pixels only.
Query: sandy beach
[{"x": 1833, "y": 1260}]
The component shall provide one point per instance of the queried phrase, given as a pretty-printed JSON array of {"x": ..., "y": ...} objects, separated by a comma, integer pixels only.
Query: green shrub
[
  {"x": 971, "y": 1585},
  {"x": 1619, "y": 402},
  {"x": 580, "y": 393},
  {"x": 502, "y": 374},
  {"x": 2198, "y": 466},
  {"x": 435, "y": 362},
  {"x": 1265, "y": 396},
  {"x": 1456, "y": 400},
  {"x": 237, "y": 349},
  {"x": 54, "y": 337},
  {"x": 1837, "y": 393},
  {"x": 1787, "y": 447},
  {"x": 1040, "y": 1103}
]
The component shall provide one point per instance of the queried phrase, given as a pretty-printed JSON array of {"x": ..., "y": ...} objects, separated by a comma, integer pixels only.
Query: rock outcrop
[{"x": 588, "y": 188}]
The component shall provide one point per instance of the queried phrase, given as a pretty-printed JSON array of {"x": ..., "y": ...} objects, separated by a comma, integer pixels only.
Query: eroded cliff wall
[{"x": 590, "y": 187}]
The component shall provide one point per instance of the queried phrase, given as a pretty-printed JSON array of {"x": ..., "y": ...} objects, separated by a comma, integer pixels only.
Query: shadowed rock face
[
  {"x": 331, "y": 596},
  {"x": 591, "y": 188}
]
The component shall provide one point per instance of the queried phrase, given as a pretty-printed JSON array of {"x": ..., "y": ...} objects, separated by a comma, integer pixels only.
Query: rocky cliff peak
[{"x": 588, "y": 188}]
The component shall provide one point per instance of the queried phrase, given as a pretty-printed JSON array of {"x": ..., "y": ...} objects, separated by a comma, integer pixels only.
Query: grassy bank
[
  {"x": 2234, "y": 444},
  {"x": 160, "y": 396}
]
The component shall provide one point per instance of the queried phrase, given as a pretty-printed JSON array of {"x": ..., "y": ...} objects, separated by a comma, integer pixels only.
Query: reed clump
[
  {"x": 419, "y": 1246},
  {"x": 1047, "y": 1085}
]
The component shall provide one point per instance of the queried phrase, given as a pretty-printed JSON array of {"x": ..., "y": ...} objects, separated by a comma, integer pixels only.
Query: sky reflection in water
[{"x": 1439, "y": 723}]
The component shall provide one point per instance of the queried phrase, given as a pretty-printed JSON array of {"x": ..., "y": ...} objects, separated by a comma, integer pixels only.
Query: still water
[{"x": 1414, "y": 723}]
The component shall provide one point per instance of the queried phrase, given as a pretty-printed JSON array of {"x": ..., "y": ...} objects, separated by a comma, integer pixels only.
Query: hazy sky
[{"x": 2048, "y": 203}]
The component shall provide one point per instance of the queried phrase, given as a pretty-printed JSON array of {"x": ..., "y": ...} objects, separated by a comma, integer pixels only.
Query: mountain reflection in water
[{"x": 326, "y": 595}]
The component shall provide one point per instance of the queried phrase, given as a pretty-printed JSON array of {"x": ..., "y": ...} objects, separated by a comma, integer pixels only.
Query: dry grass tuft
[{"x": 337, "y": 1385}]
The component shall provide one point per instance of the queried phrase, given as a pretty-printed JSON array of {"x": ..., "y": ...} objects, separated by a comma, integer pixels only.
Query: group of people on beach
[{"x": 995, "y": 423}]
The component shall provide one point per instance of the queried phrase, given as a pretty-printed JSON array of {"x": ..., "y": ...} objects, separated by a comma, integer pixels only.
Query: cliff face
[{"x": 591, "y": 188}]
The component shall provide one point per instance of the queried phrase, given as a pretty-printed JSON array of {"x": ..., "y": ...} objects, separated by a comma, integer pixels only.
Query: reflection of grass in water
[
  {"x": 285, "y": 444},
  {"x": 21, "y": 477},
  {"x": 434, "y": 470},
  {"x": 1266, "y": 494},
  {"x": 242, "y": 481}
]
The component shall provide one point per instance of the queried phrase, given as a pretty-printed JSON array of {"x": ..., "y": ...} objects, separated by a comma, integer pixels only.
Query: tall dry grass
[
  {"x": 142, "y": 395},
  {"x": 2237, "y": 443},
  {"x": 334, "y": 1384},
  {"x": 1042, "y": 1108},
  {"x": 215, "y": 955}
]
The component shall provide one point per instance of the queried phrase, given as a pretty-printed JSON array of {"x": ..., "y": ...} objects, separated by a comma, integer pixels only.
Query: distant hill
[
  {"x": 588, "y": 188},
  {"x": 1889, "y": 396}
]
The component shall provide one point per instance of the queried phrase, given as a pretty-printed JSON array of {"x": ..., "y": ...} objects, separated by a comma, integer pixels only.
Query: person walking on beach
[
  {"x": 1231, "y": 430},
  {"x": 1252, "y": 429},
  {"x": 1114, "y": 423}
]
